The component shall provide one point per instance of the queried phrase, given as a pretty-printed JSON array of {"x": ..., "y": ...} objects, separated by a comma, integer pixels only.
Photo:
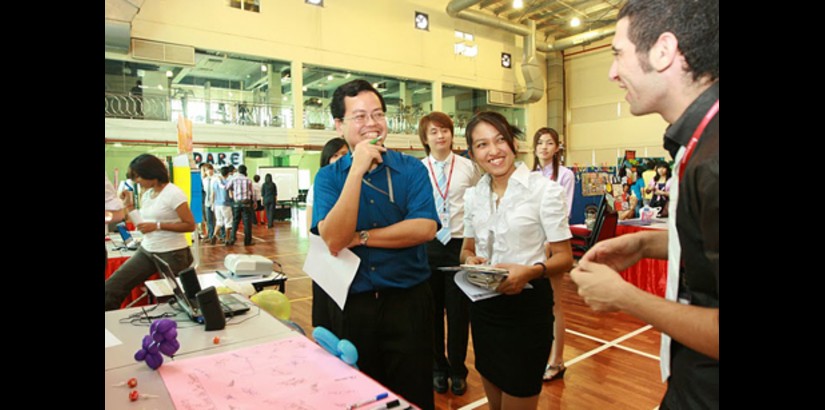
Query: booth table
[
  {"x": 256, "y": 362},
  {"x": 647, "y": 274}
]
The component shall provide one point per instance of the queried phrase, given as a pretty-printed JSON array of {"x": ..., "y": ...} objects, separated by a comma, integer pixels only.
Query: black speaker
[
  {"x": 189, "y": 281},
  {"x": 210, "y": 307}
]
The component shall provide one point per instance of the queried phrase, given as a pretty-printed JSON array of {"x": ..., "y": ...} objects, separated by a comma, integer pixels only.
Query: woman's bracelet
[{"x": 543, "y": 267}]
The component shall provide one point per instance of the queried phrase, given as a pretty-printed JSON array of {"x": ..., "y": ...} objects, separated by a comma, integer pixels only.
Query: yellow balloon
[{"x": 273, "y": 302}]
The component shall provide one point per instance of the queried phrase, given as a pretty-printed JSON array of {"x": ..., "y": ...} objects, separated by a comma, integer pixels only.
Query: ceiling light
[
  {"x": 263, "y": 68},
  {"x": 330, "y": 77},
  {"x": 315, "y": 2},
  {"x": 517, "y": 4},
  {"x": 348, "y": 75},
  {"x": 422, "y": 21},
  {"x": 284, "y": 98},
  {"x": 160, "y": 87},
  {"x": 575, "y": 22},
  {"x": 169, "y": 73},
  {"x": 304, "y": 88}
]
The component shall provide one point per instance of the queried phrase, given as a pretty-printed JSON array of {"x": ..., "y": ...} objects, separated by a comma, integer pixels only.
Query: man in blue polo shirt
[{"x": 374, "y": 202}]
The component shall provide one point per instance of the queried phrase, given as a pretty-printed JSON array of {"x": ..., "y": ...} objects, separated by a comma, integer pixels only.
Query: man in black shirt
[{"x": 667, "y": 58}]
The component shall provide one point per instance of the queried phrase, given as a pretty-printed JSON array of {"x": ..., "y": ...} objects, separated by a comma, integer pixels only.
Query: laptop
[
  {"x": 231, "y": 304},
  {"x": 129, "y": 242}
]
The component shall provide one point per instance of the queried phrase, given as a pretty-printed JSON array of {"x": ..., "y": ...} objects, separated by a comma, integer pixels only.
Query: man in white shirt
[{"x": 450, "y": 176}]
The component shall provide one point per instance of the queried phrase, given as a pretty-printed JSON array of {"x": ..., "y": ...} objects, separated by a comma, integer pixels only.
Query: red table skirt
[
  {"x": 111, "y": 267},
  {"x": 647, "y": 274}
]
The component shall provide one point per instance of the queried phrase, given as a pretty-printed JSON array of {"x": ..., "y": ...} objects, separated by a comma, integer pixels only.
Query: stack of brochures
[{"x": 485, "y": 276}]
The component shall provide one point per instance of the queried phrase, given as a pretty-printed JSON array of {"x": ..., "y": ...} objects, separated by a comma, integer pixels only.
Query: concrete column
[
  {"x": 275, "y": 96},
  {"x": 555, "y": 95},
  {"x": 297, "y": 94}
]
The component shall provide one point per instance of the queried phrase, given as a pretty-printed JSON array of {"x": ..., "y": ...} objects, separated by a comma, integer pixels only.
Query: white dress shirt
[
  {"x": 464, "y": 175},
  {"x": 531, "y": 213}
]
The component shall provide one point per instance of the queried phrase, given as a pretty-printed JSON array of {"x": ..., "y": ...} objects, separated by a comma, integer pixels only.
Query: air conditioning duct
[
  {"x": 163, "y": 52},
  {"x": 501, "y": 98},
  {"x": 117, "y": 36}
]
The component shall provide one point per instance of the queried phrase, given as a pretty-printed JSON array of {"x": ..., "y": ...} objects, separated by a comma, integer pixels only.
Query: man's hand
[
  {"x": 618, "y": 253},
  {"x": 475, "y": 260},
  {"x": 364, "y": 155},
  {"x": 601, "y": 287}
]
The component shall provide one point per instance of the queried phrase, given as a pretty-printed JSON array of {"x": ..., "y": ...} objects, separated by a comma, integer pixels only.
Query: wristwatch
[{"x": 364, "y": 235}]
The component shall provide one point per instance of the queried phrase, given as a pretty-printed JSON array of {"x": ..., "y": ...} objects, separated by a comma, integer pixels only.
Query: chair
[{"x": 604, "y": 228}]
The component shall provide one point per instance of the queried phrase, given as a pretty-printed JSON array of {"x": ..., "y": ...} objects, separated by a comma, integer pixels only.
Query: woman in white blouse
[
  {"x": 512, "y": 218},
  {"x": 166, "y": 219},
  {"x": 547, "y": 161}
]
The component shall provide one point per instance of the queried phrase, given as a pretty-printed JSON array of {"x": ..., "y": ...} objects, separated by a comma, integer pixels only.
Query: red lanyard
[
  {"x": 696, "y": 136},
  {"x": 449, "y": 178}
]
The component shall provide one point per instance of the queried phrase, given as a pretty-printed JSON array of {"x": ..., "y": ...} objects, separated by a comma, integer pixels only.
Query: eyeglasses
[{"x": 377, "y": 116}]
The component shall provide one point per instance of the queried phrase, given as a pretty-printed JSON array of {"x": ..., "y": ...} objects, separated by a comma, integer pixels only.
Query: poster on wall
[
  {"x": 593, "y": 183},
  {"x": 219, "y": 159}
]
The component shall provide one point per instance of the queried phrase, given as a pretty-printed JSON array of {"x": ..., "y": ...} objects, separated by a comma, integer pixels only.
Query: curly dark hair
[
  {"x": 695, "y": 23},
  {"x": 351, "y": 89}
]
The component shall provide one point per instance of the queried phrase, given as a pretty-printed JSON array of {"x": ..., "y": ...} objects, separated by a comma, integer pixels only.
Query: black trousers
[
  {"x": 392, "y": 330},
  {"x": 447, "y": 295},
  {"x": 240, "y": 210}
]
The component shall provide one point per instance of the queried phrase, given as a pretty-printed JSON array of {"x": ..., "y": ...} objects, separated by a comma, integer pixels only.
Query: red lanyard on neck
[
  {"x": 714, "y": 109},
  {"x": 449, "y": 178}
]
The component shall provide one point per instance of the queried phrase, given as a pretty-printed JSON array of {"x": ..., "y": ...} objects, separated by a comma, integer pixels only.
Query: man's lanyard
[
  {"x": 389, "y": 183},
  {"x": 449, "y": 178},
  {"x": 714, "y": 109}
]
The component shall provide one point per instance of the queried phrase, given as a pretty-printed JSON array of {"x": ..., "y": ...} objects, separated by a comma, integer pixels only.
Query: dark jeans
[
  {"x": 392, "y": 330},
  {"x": 270, "y": 213},
  {"x": 447, "y": 295},
  {"x": 238, "y": 210},
  {"x": 210, "y": 222},
  {"x": 139, "y": 268}
]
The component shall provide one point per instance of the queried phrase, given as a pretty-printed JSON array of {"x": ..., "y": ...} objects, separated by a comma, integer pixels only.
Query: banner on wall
[{"x": 219, "y": 159}]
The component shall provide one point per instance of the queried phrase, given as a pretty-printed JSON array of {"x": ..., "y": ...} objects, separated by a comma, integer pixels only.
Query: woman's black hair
[
  {"x": 497, "y": 121},
  {"x": 148, "y": 166},
  {"x": 660, "y": 165},
  {"x": 330, "y": 148}
]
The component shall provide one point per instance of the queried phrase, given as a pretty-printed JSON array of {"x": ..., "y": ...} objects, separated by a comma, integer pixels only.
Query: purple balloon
[
  {"x": 167, "y": 349},
  {"x": 170, "y": 334},
  {"x": 153, "y": 348},
  {"x": 140, "y": 355},
  {"x": 147, "y": 340},
  {"x": 166, "y": 324},
  {"x": 174, "y": 343},
  {"x": 158, "y": 337},
  {"x": 154, "y": 360},
  {"x": 154, "y": 326}
]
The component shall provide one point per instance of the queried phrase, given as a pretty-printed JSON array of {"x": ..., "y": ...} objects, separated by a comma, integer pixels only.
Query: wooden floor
[{"x": 612, "y": 359}]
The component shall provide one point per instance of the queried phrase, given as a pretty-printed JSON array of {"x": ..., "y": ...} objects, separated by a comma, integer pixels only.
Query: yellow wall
[{"x": 599, "y": 121}]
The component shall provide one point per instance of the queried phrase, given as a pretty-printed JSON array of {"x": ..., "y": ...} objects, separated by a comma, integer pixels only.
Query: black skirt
[{"x": 512, "y": 336}]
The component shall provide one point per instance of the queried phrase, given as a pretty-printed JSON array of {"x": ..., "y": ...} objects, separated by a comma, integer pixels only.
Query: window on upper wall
[
  {"x": 407, "y": 100},
  {"x": 461, "y": 103},
  {"x": 248, "y": 5},
  {"x": 465, "y": 44}
]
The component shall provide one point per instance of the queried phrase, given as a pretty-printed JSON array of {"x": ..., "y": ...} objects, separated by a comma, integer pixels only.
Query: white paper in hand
[
  {"x": 331, "y": 273},
  {"x": 135, "y": 217}
]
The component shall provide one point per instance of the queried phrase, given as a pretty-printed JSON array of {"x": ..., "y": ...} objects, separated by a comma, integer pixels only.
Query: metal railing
[
  {"x": 198, "y": 110},
  {"x": 163, "y": 108}
]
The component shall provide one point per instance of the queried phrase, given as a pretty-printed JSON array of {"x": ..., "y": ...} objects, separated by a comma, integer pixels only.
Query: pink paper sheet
[{"x": 291, "y": 373}]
